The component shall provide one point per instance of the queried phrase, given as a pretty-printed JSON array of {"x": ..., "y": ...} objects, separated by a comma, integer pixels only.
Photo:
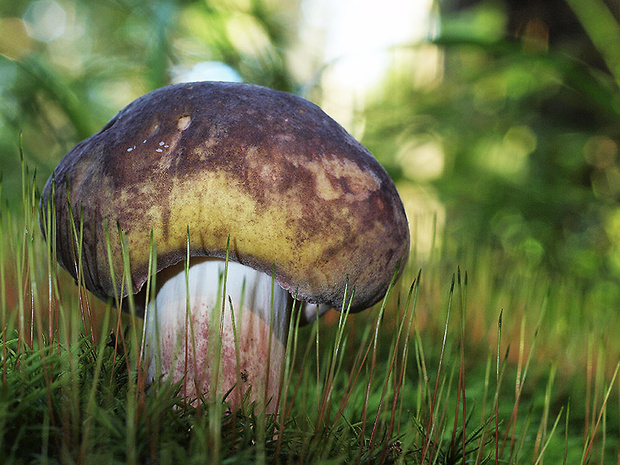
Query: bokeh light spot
[{"x": 45, "y": 20}]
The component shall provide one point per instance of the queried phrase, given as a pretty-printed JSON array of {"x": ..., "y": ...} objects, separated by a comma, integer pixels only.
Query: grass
[{"x": 474, "y": 359}]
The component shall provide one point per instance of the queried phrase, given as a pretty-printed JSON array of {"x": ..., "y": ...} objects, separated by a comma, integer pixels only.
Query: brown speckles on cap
[{"x": 268, "y": 169}]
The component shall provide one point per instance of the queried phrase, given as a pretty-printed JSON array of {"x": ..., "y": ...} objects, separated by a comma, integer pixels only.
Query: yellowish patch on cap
[{"x": 329, "y": 170}]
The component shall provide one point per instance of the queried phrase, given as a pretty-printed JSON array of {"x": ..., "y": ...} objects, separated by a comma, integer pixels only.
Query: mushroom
[{"x": 269, "y": 197}]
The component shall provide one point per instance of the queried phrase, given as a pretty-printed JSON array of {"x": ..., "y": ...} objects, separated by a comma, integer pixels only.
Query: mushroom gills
[{"x": 196, "y": 343}]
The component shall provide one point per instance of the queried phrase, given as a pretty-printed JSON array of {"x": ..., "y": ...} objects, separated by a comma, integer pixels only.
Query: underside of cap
[{"x": 268, "y": 171}]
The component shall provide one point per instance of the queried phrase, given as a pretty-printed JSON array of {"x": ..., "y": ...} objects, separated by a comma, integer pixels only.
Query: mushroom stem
[{"x": 197, "y": 344}]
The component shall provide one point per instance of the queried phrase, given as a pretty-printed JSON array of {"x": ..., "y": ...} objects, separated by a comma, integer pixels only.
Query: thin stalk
[
  {"x": 398, "y": 379},
  {"x": 3, "y": 306},
  {"x": 151, "y": 290},
  {"x": 566, "y": 428},
  {"x": 589, "y": 376},
  {"x": 590, "y": 441},
  {"x": 485, "y": 393},
  {"x": 215, "y": 342},
  {"x": 424, "y": 381},
  {"x": 516, "y": 454},
  {"x": 391, "y": 363},
  {"x": 126, "y": 287},
  {"x": 117, "y": 297},
  {"x": 460, "y": 394},
  {"x": 317, "y": 354},
  {"x": 439, "y": 424},
  {"x": 189, "y": 329},
  {"x": 497, "y": 383},
  {"x": 555, "y": 424},
  {"x": 542, "y": 429},
  {"x": 356, "y": 370},
  {"x": 271, "y": 323},
  {"x": 430, "y": 429},
  {"x": 78, "y": 236},
  {"x": 21, "y": 310},
  {"x": 237, "y": 354},
  {"x": 91, "y": 403},
  {"x": 334, "y": 358},
  {"x": 50, "y": 231},
  {"x": 290, "y": 357},
  {"x": 131, "y": 420},
  {"x": 522, "y": 373},
  {"x": 373, "y": 364},
  {"x": 412, "y": 299}
]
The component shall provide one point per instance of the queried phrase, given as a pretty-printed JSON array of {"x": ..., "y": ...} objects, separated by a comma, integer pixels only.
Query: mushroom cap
[{"x": 293, "y": 191}]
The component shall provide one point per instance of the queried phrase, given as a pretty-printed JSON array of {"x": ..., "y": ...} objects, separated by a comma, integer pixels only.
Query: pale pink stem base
[{"x": 199, "y": 346}]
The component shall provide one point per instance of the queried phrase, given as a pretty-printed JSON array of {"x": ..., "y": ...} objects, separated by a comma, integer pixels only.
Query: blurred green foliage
[
  {"x": 520, "y": 139},
  {"x": 67, "y": 67},
  {"x": 528, "y": 139}
]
